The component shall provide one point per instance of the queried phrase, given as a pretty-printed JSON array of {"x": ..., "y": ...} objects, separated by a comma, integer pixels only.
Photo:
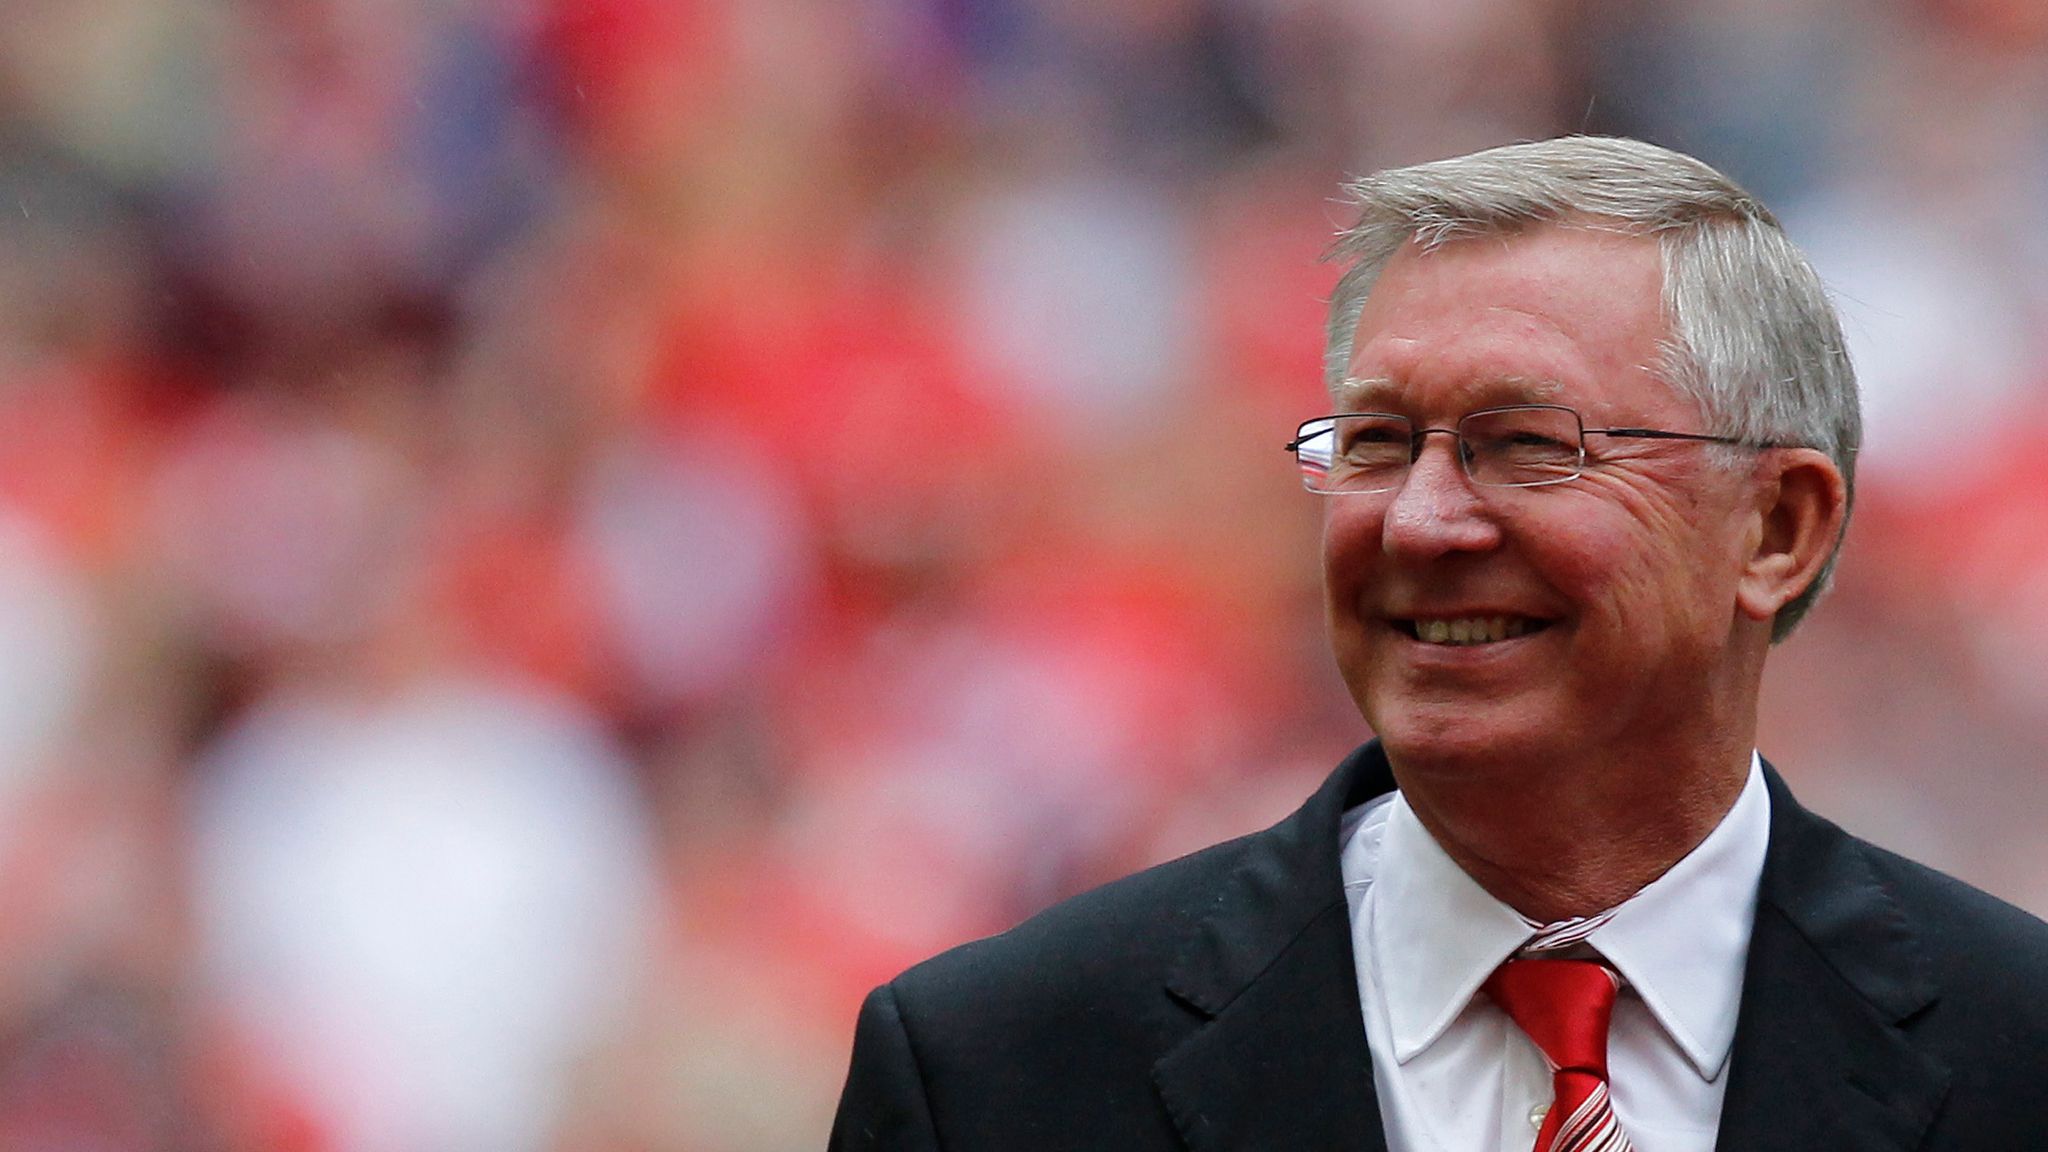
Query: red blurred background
[{"x": 546, "y": 546}]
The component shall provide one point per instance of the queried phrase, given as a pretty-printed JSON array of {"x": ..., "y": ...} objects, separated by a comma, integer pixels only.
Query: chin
[{"x": 1451, "y": 735}]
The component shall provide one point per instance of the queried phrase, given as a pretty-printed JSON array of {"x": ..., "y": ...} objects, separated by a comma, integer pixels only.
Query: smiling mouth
[{"x": 1461, "y": 631}]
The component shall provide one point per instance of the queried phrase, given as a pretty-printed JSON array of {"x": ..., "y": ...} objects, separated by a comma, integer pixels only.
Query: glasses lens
[
  {"x": 1354, "y": 453},
  {"x": 1522, "y": 447},
  {"x": 1314, "y": 445}
]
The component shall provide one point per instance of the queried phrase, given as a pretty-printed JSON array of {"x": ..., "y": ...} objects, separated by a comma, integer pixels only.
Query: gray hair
[{"x": 1754, "y": 341}]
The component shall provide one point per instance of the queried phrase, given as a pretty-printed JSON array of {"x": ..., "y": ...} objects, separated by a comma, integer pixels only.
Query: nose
[{"x": 1435, "y": 511}]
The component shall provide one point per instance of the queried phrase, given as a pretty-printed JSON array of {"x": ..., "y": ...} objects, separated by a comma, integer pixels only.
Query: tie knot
[{"x": 1562, "y": 1005}]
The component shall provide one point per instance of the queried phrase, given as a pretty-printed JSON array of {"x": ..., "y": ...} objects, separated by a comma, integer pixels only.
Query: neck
[{"x": 1578, "y": 837}]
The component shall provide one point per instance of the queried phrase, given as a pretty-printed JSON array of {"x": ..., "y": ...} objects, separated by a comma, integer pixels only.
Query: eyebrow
[{"x": 1356, "y": 395}]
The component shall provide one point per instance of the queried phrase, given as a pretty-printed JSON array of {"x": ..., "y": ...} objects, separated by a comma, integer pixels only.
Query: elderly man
[{"x": 1593, "y": 455}]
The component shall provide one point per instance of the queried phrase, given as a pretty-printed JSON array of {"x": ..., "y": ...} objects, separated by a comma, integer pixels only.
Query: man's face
[{"x": 1621, "y": 583}]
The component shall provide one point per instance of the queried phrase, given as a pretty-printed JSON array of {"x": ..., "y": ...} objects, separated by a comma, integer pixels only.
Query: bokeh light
[{"x": 548, "y": 545}]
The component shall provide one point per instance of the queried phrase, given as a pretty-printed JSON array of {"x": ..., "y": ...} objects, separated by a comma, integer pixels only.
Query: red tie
[{"x": 1564, "y": 1006}]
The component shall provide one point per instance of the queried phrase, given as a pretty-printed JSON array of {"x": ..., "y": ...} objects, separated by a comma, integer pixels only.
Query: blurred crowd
[{"x": 547, "y": 545}]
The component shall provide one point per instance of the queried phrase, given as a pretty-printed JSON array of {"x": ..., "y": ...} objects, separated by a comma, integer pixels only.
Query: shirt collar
[{"x": 1680, "y": 942}]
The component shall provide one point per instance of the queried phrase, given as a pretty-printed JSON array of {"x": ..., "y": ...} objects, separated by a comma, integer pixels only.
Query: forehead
[{"x": 1566, "y": 315}]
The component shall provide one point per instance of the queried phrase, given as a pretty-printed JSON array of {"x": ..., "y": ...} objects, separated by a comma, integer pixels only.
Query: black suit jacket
[{"x": 1212, "y": 1003}]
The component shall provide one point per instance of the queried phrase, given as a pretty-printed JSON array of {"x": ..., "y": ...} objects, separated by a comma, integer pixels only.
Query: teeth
[{"x": 1471, "y": 629}]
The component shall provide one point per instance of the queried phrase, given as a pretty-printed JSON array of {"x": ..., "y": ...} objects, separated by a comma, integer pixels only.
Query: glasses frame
[{"x": 1415, "y": 441}]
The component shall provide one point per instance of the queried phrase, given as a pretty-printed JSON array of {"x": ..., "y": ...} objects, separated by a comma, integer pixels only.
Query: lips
[{"x": 1462, "y": 631}]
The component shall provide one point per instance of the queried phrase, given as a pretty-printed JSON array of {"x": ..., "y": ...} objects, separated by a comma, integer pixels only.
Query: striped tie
[{"x": 1564, "y": 1006}]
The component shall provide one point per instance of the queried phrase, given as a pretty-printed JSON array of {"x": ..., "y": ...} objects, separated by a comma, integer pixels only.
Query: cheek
[
  {"x": 1659, "y": 591},
  {"x": 1351, "y": 544},
  {"x": 1652, "y": 545}
]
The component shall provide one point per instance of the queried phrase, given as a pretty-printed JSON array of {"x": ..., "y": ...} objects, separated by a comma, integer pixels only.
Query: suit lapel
[
  {"x": 1278, "y": 1056},
  {"x": 1820, "y": 1060}
]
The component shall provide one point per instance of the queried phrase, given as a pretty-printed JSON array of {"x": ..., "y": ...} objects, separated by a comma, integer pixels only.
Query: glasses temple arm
[{"x": 1660, "y": 434}]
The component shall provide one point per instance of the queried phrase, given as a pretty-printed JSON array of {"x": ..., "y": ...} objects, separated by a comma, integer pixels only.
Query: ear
[{"x": 1801, "y": 504}]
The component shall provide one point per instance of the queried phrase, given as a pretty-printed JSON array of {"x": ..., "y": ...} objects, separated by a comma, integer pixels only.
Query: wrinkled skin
[{"x": 1648, "y": 582}]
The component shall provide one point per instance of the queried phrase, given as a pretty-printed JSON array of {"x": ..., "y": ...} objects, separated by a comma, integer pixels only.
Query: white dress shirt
[{"x": 1453, "y": 1074}]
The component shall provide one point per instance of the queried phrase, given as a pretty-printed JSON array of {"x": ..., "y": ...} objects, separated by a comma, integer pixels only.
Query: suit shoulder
[
  {"x": 1965, "y": 932},
  {"x": 1983, "y": 949},
  {"x": 1960, "y": 913},
  {"x": 1046, "y": 1035},
  {"x": 1124, "y": 932}
]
